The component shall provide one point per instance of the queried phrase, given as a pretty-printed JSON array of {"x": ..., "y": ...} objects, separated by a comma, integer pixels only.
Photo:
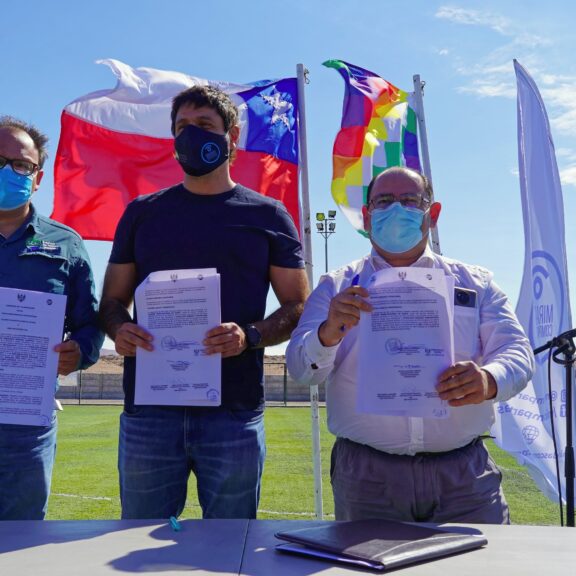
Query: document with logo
[
  {"x": 31, "y": 324},
  {"x": 405, "y": 343},
  {"x": 178, "y": 307}
]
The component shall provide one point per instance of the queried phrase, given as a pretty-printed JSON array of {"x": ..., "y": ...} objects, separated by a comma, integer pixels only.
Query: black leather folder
[{"x": 378, "y": 544}]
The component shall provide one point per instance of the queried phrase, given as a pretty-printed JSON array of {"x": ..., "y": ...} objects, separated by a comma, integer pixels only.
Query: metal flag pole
[
  {"x": 307, "y": 246},
  {"x": 418, "y": 93}
]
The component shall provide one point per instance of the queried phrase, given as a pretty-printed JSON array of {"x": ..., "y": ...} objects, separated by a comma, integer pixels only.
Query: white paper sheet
[
  {"x": 31, "y": 324},
  {"x": 405, "y": 343},
  {"x": 178, "y": 307}
]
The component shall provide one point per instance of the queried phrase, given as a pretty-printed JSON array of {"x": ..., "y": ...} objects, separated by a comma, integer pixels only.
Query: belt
[
  {"x": 448, "y": 452},
  {"x": 474, "y": 442}
]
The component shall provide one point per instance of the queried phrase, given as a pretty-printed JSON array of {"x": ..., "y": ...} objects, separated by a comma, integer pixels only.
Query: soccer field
[{"x": 85, "y": 483}]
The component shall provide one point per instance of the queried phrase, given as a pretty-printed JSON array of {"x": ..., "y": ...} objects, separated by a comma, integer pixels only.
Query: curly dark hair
[{"x": 210, "y": 96}]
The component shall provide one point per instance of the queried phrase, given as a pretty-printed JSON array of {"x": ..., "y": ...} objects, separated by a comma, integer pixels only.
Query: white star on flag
[{"x": 281, "y": 107}]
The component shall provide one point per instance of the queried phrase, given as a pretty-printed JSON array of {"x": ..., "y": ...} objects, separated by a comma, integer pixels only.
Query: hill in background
[{"x": 112, "y": 363}]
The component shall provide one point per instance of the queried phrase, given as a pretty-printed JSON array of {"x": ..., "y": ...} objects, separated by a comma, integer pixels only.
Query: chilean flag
[{"x": 116, "y": 145}]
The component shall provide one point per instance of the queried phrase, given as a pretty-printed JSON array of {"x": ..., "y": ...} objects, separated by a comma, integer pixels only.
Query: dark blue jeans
[
  {"x": 160, "y": 446},
  {"x": 26, "y": 461}
]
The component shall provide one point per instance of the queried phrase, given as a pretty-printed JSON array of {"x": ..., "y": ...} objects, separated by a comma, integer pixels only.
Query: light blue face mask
[
  {"x": 15, "y": 189},
  {"x": 396, "y": 229}
]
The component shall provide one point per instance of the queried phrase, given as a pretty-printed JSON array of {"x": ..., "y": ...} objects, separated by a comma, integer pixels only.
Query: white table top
[{"x": 229, "y": 547}]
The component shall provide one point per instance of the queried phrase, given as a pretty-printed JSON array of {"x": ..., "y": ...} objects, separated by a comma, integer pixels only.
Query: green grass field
[{"x": 85, "y": 483}]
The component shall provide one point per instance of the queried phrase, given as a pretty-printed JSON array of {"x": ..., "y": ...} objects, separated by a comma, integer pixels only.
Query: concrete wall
[
  {"x": 89, "y": 386},
  {"x": 274, "y": 390}
]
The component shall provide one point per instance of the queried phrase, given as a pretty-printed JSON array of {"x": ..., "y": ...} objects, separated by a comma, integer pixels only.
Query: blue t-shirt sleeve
[
  {"x": 123, "y": 246},
  {"x": 286, "y": 250}
]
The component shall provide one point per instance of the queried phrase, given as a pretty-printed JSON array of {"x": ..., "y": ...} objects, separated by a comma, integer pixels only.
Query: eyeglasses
[
  {"x": 407, "y": 200},
  {"x": 22, "y": 167}
]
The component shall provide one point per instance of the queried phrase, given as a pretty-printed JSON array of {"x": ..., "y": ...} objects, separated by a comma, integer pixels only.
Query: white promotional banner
[{"x": 523, "y": 424}]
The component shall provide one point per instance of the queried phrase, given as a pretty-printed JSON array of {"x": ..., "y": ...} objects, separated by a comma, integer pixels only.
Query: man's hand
[
  {"x": 228, "y": 339},
  {"x": 466, "y": 383},
  {"x": 69, "y": 356},
  {"x": 344, "y": 313},
  {"x": 131, "y": 336}
]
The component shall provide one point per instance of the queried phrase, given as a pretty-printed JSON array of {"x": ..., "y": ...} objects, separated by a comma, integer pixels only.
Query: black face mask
[{"x": 200, "y": 152}]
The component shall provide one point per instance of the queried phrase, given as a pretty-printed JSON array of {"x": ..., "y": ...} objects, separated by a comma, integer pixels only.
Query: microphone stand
[{"x": 565, "y": 346}]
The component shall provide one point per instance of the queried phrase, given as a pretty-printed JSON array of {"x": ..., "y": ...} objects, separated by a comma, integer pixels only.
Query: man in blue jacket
[{"x": 37, "y": 253}]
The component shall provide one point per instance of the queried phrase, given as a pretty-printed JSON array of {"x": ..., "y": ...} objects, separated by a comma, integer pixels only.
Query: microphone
[
  {"x": 568, "y": 334},
  {"x": 562, "y": 341}
]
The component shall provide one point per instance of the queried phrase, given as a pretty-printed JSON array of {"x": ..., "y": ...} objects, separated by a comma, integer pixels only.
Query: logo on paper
[
  {"x": 394, "y": 346},
  {"x": 21, "y": 297}
]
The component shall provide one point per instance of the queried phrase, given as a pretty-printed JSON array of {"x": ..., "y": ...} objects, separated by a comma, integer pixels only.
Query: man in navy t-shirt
[{"x": 207, "y": 221}]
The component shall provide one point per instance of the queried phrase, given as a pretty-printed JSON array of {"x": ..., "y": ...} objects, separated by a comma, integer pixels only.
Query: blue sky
[{"x": 462, "y": 50}]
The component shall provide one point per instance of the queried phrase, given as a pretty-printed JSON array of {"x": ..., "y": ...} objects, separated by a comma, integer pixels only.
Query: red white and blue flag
[{"x": 116, "y": 145}]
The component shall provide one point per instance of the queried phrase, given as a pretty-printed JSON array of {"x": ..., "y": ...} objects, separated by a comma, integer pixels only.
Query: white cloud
[
  {"x": 485, "y": 69},
  {"x": 489, "y": 79},
  {"x": 548, "y": 78},
  {"x": 531, "y": 41},
  {"x": 567, "y": 153},
  {"x": 560, "y": 100},
  {"x": 443, "y": 52},
  {"x": 565, "y": 122},
  {"x": 486, "y": 89},
  {"x": 473, "y": 18},
  {"x": 568, "y": 176},
  {"x": 496, "y": 22},
  {"x": 492, "y": 76},
  {"x": 562, "y": 94}
]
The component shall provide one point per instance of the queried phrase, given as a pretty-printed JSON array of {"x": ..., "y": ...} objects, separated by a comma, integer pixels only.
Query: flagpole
[
  {"x": 307, "y": 246},
  {"x": 418, "y": 92}
]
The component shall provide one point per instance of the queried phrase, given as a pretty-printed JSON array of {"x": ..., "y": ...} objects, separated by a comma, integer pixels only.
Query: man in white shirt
[{"x": 399, "y": 467}]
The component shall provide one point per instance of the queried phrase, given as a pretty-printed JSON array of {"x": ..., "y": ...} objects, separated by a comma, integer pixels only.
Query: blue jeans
[
  {"x": 26, "y": 461},
  {"x": 160, "y": 446}
]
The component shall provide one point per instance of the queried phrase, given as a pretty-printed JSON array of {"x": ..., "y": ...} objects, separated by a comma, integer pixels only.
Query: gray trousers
[{"x": 462, "y": 485}]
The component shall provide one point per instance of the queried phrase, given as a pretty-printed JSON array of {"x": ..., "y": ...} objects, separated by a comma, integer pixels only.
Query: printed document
[
  {"x": 178, "y": 307},
  {"x": 31, "y": 324},
  {"x": 405, "y": 343}
]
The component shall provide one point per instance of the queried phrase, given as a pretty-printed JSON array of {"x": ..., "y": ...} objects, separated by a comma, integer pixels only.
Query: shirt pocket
[
  {"x": 44, "y": 272},
  {"x": 466, "y": 333}
]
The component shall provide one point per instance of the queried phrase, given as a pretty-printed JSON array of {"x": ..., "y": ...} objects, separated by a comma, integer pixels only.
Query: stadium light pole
[{"x": 326, "y": 226}]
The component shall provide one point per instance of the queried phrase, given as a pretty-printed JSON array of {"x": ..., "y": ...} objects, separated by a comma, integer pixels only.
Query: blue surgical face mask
[
  {"x": 15, "y": 189},
  {"x": 396, "y": 229},
  {"x": 199, "y": 151}
]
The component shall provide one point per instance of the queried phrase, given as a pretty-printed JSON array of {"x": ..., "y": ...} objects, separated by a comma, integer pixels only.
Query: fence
[{"x": 97, "y": 388}]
